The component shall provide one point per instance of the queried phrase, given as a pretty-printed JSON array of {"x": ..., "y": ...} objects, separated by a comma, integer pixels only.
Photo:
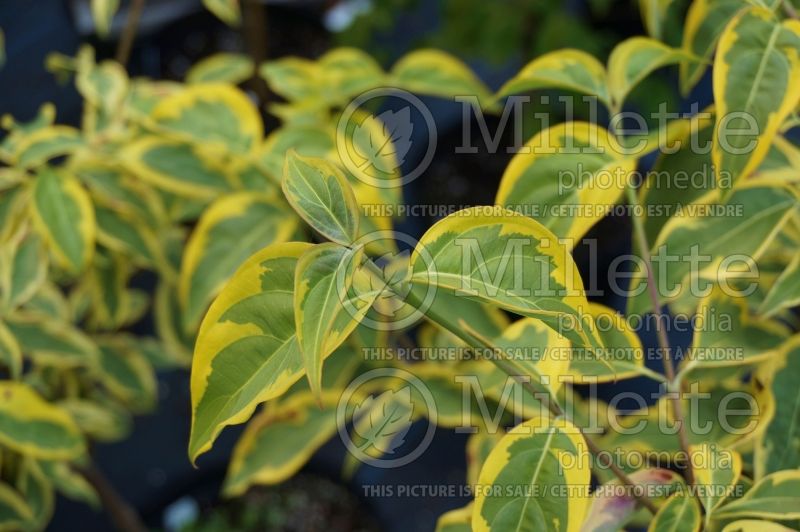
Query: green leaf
[
  {"x": 534, "y": 350},
  {"x": 37, "y": 491},
  {"x": 145, "y": 94},
  {"x": 129, "y": 234},
  {"x": 479, "y": 445},
  {"x": 14, "y": 510},
  {"x": 337, "y": 76},
  {"x": 621, "y": 357},
  {"x": 103, "y": 13},
  {"x": 222, "y": 67},
  {"x": 228, "y": 11},
  {"x": 294, "y": 78},
  {"x": 70, "y": 483},
  {"x": 108, "y": 282},
  {"x": 776, "y": 496},
  {"x": 524, "y": 475},
  {"x": 114, "y": 188},
  {"x": 321, "y": 195},
  {"x": 47, "y": 143},
  {"x": 349, "y": 72},
  {"x": 104, "y": 86},
  {"x": 568, "y": 69},
  {"x": 307, "y": 140},
  {"x": 680, "y": 513},
  {"x": 246, "y": 351},
  {"x": 705, "y": 21},
  {"x": 496, "y": 256},
  {"x": 779, "y": 449},
  {"x": 488, "y": 321},
  {"x": 725, "y": 334},
  {"x": 158, "y": 353},
  {"x": 633, "y": 60},
  {"x": 280, "y": 440},
  {"x": 252, "y": 176},
  {"x": 100, "y": 419},
  {"x": 214, "y": 116},
  {"x": 681, "y": 175},
  {"x": 50, "y": 342},
  {"x": 654, "y": 12},
  {"x": 437, "y": 73},
  {"x": 51, "y": 301},
  {"x": 756, "y": 73},
  {"x": 23, "y": 269},
  {"x": 126, "y": 374},
  {"x": 562, "y": 169},
  {"x": 10, "y": 352},
  {"x": 323, "y": 317},
  {"x": 755, "y": 525},
  {"x": 230, "y": 230},
  {"x": 785, "y": 293},
  {"x": 716, "y": 472},
  {"x": 32, "y": 426},
  {"x": 169, "y": 320},
  {"x": 741, "y": 407},
  {"x": 14, "y": 205},
  {"x": 138, "y": 304},
  {"x": 742, "y": 226},
  {"x": 20, "y": 131},
  {"x": 63, "y": 214},
  {"x": 175, "y": 167}
]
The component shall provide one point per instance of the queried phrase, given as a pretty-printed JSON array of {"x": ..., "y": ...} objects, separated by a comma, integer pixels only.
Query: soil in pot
[{"x": 304, "y": 503}]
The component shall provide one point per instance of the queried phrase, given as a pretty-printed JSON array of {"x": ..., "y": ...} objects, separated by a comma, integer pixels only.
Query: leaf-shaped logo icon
[
  {"x": 392, "y": 283},
  {"x": 382, "y": 422},
  {"x": 383, "y": 141}
]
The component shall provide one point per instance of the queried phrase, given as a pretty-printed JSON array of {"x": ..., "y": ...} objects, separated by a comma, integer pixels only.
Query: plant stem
[
  {"x": 254, "y": 34},
  {"x": 121, "y": 513},
  {"x": 789, "y": 9},
  {"x": 663, "y": 340},
  {"x": 528, "y": 385},
  {"x": 129, "y": 31}
]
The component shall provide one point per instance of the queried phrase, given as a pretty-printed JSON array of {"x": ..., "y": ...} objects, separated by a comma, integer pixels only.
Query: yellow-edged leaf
[
  {"x": 246, "y": 351},
  {"x": 568, "y": 69},
  {"x": 566, "y": 177},
  {"x": 521, "y": 482},
  {"x": 213, "y": 115},
  {"x": 322, "y": 196},
  {"x": 32, "y": 426},
  {"x": 62, "y": 212},
  {"x": 222, "y": 67},
  {"x": 756, "y": 86},
  {"x": 231, "y": 230}
]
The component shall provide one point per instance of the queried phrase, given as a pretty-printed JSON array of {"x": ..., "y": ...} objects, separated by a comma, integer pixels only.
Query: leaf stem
[
  {"x": 527, "y": 384},
  {"x": 121, "y": 513},
  {"x": 663, "y": 340},
  {"x": 129, "y": 31},
  {"x": 789, "y": 9}
]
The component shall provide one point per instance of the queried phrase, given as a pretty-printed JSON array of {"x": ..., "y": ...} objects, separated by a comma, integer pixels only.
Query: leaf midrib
[
  {"x": 535, "y": 476},
  {"x": 762, "y": 67}
]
